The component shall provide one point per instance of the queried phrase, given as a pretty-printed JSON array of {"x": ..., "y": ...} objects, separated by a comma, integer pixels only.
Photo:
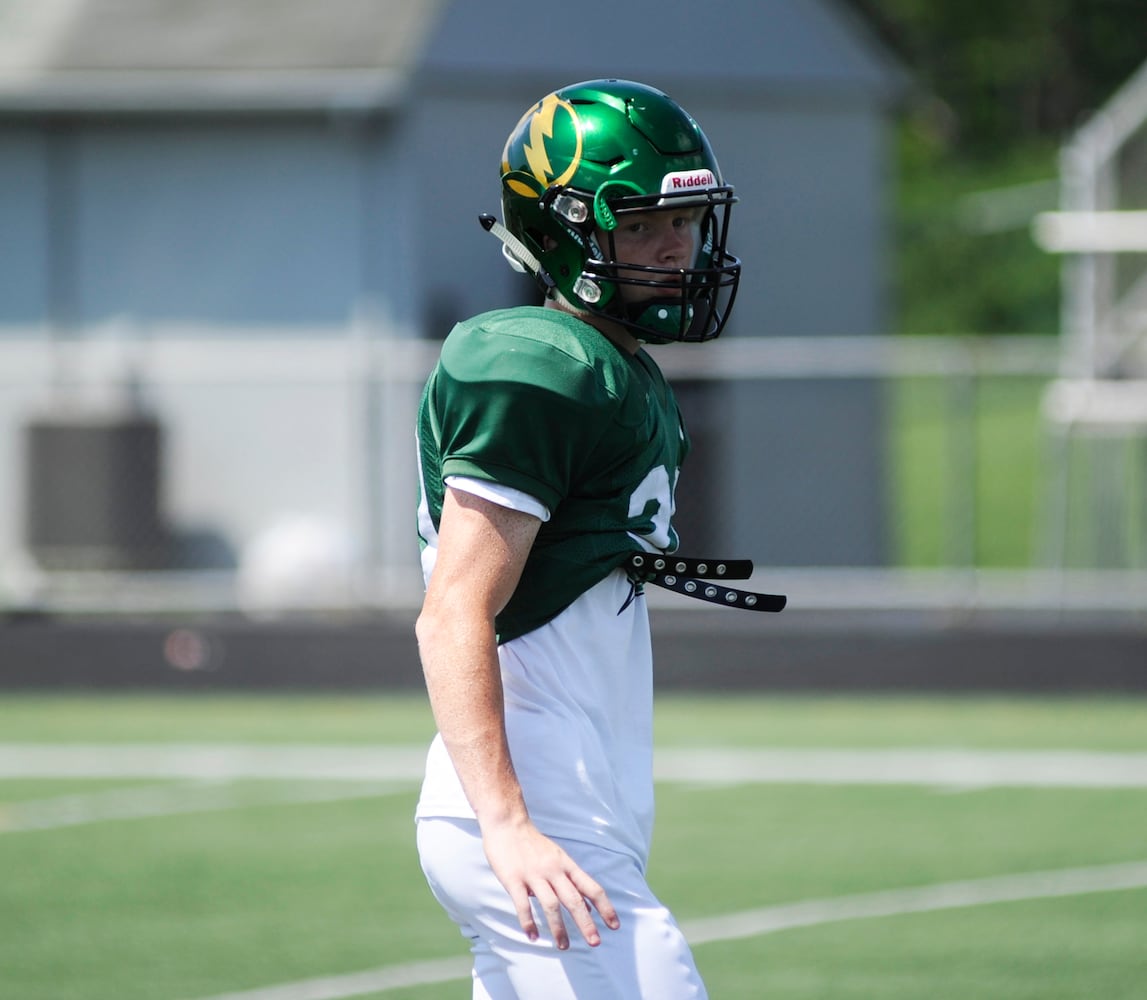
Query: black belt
[{"x": 686, "y": 576}]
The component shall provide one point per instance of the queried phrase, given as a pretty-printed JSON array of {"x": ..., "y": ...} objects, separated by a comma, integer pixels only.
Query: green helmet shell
[{"x": 589, "y": 152}]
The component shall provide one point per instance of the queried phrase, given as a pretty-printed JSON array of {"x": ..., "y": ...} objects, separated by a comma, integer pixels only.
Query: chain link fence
[{"x": 270, "y": 474}]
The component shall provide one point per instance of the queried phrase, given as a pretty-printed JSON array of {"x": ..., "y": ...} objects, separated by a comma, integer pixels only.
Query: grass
[
  {"x": 982, "y": 722},
  {"x": 967, "y": 485},
  {"x": 970, "y": 480},
  {"x": 193, "y": 905},
  {"x": 1028, "y": 951},
  {"x": 148, "y": 718}
]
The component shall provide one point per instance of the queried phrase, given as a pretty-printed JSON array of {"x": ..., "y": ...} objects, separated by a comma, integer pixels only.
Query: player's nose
[{"x": 676, "y": 246}]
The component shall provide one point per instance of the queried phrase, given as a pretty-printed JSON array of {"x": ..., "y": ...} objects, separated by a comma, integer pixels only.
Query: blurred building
[{"x": 209, "y": 207}]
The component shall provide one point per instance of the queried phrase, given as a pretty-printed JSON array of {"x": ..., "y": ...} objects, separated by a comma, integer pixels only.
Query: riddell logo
[{"x": 687, "y": 180}]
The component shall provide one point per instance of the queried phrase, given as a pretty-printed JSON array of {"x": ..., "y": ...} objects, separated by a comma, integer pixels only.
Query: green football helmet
[{"x": 581, "y": 163}]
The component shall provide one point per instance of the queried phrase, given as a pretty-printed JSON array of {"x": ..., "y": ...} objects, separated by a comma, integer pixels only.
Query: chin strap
[
  {"x": 685, "y": 576},
  {"x": 515, "y": 251}
]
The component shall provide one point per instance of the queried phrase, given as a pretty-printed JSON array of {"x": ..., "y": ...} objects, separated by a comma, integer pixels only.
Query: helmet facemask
[{"x": 692, "y": 302}]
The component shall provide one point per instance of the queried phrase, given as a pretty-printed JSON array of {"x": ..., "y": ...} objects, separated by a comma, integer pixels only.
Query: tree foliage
[
  {"x": 998, "y": 85},
  {"x": 1013, "y": 70}
]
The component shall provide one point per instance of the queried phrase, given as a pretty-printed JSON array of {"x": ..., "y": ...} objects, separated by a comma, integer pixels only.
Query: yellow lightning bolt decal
[{"x": 541, "y": 127}]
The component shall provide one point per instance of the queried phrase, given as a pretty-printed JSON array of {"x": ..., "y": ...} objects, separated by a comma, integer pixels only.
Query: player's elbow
[
  {"x": 428, "y": 626},
  {"x": 441, "y": 621}
]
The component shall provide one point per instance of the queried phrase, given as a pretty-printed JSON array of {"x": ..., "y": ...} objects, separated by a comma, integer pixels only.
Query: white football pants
[{"x": 646, "y": 959}]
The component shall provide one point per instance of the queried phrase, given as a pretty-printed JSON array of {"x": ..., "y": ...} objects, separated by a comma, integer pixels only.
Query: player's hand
[{"x": 529, "y": 864}]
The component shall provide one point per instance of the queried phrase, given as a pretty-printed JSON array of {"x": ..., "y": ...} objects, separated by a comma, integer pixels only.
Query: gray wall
[
  {"x": 23, "y": 222},
  {"x": 242, "y": 222},
  {"x": 260, "y": 225},
  {"x": 804, "y": 460},
  {"x": 135, "y": 232},
  {"x": 456, "y": 146}
]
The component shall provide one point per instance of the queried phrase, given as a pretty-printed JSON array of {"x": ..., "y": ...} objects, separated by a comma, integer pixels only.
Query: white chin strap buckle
[{"x": 515, "y": 251}]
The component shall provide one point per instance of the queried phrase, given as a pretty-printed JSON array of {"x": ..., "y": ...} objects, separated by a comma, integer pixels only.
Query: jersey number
[{"x": 656, "y": 488}]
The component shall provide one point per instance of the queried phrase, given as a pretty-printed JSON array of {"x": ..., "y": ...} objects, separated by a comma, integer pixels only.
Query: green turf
[
  {"x": 967, "y": 471},
  {"x": 1065, "y": 949},
  {"x": 1104, "y": 722},
  {"x": 256, "y": 718},
  {"x": 198, "y": 904},
  {"x": 970, "y": 480},
  {"x": 808, "y": 842},
  {"x": 33, "y": 789},
  {"x": 186, "y": 906}
]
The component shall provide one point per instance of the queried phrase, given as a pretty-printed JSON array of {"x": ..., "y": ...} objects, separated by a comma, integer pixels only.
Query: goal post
[
  {"x": 1091, "y": 232},
  {"x": 1095, "y": 415}
]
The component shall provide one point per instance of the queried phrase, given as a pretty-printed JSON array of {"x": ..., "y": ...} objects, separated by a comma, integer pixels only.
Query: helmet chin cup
[
  {"x": 663, "y": 321},
  {"x": 669, "y": 321}
]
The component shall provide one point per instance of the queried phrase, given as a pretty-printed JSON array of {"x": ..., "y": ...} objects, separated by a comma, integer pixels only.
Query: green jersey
[{"x": 537, "y": 400}]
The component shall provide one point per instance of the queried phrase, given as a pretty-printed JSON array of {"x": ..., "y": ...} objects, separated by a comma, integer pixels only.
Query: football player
[{"x": 549, "y": 447}]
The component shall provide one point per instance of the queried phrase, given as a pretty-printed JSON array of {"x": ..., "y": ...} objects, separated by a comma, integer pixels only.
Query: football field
[{"x": 261, "y": 847}]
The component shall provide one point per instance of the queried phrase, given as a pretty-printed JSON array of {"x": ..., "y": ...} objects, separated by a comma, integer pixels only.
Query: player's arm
[{"x": 482, "y": 548}]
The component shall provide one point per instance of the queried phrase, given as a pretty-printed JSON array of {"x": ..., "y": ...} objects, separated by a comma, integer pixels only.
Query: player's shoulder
[{"x": 536, "y": 347}]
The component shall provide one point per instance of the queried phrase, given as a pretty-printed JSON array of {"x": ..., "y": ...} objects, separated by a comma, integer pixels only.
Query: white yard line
[
  {"x": 922, "y": 899},
  {"x": 938, "y": 768},
  {"x": 173, "y": 800},
  {"x": 357, "y": 984},
  {"x": 211, "y": 761},
  {"x": 754, "y": 923},
  {"x": 316, "y": 773},
  {"x": 930, "y": 767}
]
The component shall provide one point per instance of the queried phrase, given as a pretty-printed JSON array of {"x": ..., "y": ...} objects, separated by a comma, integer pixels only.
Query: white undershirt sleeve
[{"x": 503, "y": 496}]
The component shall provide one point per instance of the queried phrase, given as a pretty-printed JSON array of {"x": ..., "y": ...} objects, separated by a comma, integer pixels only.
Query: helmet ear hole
[{"x": 536, "y": 238}]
